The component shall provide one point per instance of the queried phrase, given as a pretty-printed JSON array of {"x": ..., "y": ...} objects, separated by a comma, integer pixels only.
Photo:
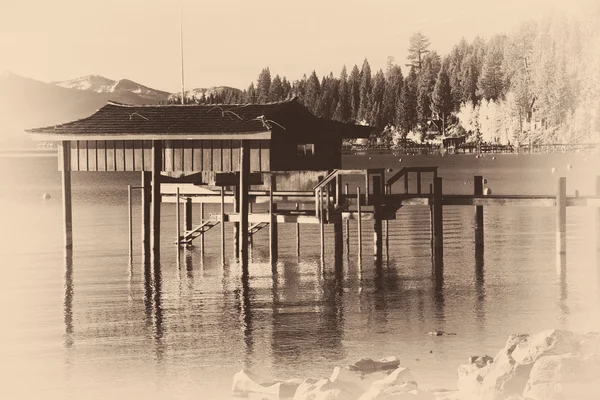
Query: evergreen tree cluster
[{"x": 540, "y": 82}]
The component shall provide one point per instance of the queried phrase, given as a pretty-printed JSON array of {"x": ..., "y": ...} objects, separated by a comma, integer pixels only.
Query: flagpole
[{"x": 181, "y": 48}]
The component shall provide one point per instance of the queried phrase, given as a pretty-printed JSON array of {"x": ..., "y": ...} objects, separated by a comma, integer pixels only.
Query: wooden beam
[
  {"x": 130, "y": 222},
  {"x": 66, "y": 194},
  {"x": 146, "y": 197},
  {"x": 157, "y": 155},
  {"x": 438, "y": 224},
  {"x": 223, "y": 226},
  {"x": 478, "y": 191},
  {"x": 188, "y": 214},
  {"x": 359, "y": 215},
  {"x": 178, "y": 222},
  {"x": 561, "y": 215},
  {"x": 243, "y": 207},
  {"x": 273, "y": 248},
  {"x": 297, "y": 234},
  {"x": 377, "y": 226}
]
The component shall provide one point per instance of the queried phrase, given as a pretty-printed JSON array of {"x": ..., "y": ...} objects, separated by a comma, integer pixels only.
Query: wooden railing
[{"x": 404, "y": 173}]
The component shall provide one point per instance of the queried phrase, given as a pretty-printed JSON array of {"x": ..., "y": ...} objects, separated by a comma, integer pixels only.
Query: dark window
[{"x": 305, "y": 149}]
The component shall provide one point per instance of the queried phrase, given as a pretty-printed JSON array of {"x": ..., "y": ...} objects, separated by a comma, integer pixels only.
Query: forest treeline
[{"x": 539, "y": 83}]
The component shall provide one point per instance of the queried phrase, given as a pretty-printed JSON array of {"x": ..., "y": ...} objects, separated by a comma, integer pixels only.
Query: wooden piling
[
  {"x": 130, "y": 222},
  {"x": 274, "y": 249},
  {"x": 222, "y": 225},
  {"x": 377, "y": 225},
  {"x": 438, "y": 225},
  {"x": 478, "y": 191},
  {"x": 347, "y": 224},
  {"x": 297, "y": 234},
  {"x": 359, "y": 212},
  {"x": 561, "y": 215},
  {"x": 321, "y": 226},
  {"x": 388, "y": 190},
  {"x": 236, "y": 225},
  {"x": 431, "y": 219},
  {"x": 66, "y": 193},
  {"x": 244, "y": 198},
  {"x": 201, "y": 222},
  {"x": 156, "y": 199},
  {"x": 146, "y": 197},
  {"x": 178, "y": 220},
  {"x": 188, "y": 215},
  {"x": 338, "y": 241}
]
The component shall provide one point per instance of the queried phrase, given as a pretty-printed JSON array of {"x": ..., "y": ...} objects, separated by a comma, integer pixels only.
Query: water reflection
[
  {"x": 68, "y": 301},
  {"x": 479, "y": 288},
  {"x": 307, "y": 328},
  {"x": 158, "y": 314},
  {"x": 438, "y": 292},
  {"x": 561, "y": 270},
  {"x": 247, "y": 316}
]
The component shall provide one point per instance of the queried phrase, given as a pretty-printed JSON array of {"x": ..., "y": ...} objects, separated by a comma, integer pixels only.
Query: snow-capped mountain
[
  {"x": 94, "y": 83},
  {"x": 121, "y": 88}
]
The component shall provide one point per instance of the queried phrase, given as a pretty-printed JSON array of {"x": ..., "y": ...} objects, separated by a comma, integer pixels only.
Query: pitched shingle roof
[{"x": 115, "y": 119}]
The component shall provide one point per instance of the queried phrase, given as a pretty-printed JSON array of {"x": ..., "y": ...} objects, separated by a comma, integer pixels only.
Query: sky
[{"x": 228, "y": 42}]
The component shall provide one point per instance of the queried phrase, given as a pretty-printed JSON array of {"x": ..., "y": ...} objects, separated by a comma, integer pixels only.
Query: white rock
[
  {"x": 565, "y": 376},
  {"x": 246, "y": 383},
  {"x": 351, "y": 381},
  {"x": 398, "y": 377},
  {"x": 398, "y": 393},
  {"x": 590, "y": 343},
  {"x": 509, "y": 372},
  {"x": 322, "y": 389}
]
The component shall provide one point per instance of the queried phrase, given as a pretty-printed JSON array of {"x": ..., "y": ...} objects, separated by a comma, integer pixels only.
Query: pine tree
[
  {"x": 251, "y": 96},
  {"x": 327, "y": 97},
  {"x": 276, "y": 89},
  {"x": 391, "y": 97},
  {"x": 418, "y": 45},
  {"x": 376, "y": 111},
  {"x": 491, "y": 81},
  {"x": 455, "y": 75},
  {"x": 342, "y": 110},
  {"x": 406, "y": 114},
  {"x": 287, "y": 88},
  {"x": 366, "y": 87},
  {"x": 425, "y": 85},
  {"x": 442, "y": 96},
  {"x": 354, "y": 92},
  {"x": 313, "y": 91},
  {"x": 264, "y": 84}
]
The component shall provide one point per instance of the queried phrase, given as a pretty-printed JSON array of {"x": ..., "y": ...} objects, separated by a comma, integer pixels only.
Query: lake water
[{"x": 96, "y": 327}]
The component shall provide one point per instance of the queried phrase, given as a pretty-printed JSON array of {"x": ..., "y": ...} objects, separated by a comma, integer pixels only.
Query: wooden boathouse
[
  {"x": 199, "y": 146},
  {"x": 276, "y": 153}
]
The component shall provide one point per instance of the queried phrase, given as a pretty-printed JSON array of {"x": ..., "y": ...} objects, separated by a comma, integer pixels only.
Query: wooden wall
[{"x": 178, "y": 155}]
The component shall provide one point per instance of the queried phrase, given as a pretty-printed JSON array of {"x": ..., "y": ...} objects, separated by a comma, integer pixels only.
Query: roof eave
[{"x": 47, "y": 136}]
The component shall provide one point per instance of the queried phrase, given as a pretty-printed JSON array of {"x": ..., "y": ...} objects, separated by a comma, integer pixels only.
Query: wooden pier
[
  {"x": 328, "y": 204},
  {"x": 277, "y": 154}
]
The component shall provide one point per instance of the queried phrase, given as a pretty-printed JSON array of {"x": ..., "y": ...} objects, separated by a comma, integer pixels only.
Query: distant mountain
[
  {"x": 28, "y": 103},
  {"x": 126, "y": 90},
  {"x": 196, "y": 94}
]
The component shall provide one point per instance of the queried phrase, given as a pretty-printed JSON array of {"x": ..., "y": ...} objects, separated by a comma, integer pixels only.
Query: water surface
[{"x": 96, "y": 326}]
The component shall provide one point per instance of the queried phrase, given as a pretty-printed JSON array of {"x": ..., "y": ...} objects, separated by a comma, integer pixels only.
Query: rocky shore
[{"x": 550, "y": 365}]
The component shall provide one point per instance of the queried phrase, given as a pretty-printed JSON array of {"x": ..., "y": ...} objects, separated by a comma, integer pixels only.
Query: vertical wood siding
[{"x": 178, "y": 155}]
